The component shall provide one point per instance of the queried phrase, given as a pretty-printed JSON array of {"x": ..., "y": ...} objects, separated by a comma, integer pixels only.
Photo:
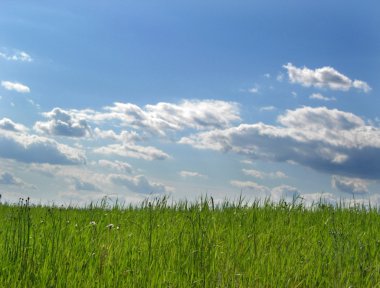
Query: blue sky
[{"x": 138, "y": 98}]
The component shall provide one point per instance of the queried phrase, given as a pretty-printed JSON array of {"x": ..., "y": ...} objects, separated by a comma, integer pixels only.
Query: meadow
[{"x": 161, "y": 244}]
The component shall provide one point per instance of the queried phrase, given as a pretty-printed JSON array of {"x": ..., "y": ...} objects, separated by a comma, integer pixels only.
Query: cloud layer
[{"x": 326, "y": 140}]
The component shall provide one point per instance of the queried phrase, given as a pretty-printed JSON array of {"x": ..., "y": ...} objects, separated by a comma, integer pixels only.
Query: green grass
[{"x": 189, "y": 245}]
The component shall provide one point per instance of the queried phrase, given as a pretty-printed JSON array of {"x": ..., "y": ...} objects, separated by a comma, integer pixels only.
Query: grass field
[{"x": 189, "y": 245}]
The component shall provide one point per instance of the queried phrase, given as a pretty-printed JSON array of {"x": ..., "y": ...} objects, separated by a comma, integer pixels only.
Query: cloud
[
  {"x": 116, "y": 165},
  {"x": 318, "y": 96},
  {"x": 162, "y": 118},
  {"x": 63, "y": 123},
  {"x": 139, "y": 184},
  {"x": 285, "y": 192},
  {"x": 350, "y": 185},
  {"x": 325, "y": 77},
  {"x": 186, "y": 174},
  {"x": 124, "y": 136},
  {"x": 7, "y": 124},
  {"x": 268, "y": 108},
  {"x": 7, "y": 178},
  {"x": 80, "y": 185},
  {"x": 17, "y": 56},
  {"x": 34, "y": 149},
  {"x": 15, "y": 86},
  {"x": 250, "y": 185},
  {"x": 262, "y": 175},
  {"x": 255, "y": 89},
  {"x": 326, "y": 140},
  {"x": 133, "y": 151}
]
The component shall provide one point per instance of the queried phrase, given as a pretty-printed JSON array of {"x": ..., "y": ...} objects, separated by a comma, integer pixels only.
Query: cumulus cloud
[
  {"x": 187, "y": 174},
  {"x": 16, "y": 56},
  {"x": 326, "y": 140},
  {"x": 133, "y": 151},
  {"x": 8, "y": 124},
  {"x": 319, "y": 96},
  {"x": 161, "y": 118},
  {"x": 350, "y": 185},
  {"x": 325, "y": 77},
  {"x": 15, "y": 86},
  {"x": 34, "y": 149},
  {"x": 63, "y": 123},
  {"x": 139, "y": 184},
  {"x": 116, "y": 165}
]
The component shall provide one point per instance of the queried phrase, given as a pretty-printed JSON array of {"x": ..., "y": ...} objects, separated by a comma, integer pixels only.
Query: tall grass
[{"x": 189, "y": 245}]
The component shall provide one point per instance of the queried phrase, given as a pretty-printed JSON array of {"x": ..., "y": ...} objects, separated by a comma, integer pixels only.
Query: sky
[{"x": 187, "y": 99}]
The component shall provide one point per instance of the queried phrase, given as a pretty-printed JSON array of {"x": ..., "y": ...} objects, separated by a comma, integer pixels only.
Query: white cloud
[
  {"x": 63, "y": 123},
  {"x": 34, "y": 149},
  {"x": 124, "y": 136},
  {"x": 268, "y": 108},
  {"x": 139, "y": 184},
  {"x": 7, "y": 124},
  {"x": 186, "y": 174},
  {"x": 326, "y": 140},
  {"x": 16, "y": 56},
  {"x": 254, "y": 90},
  {"x": 15, "y": 86},
  {"x": 350, "y": 185},
  {"x": 253, "y": 173},
  {"x": 319, "y": 96},
  {"x": 250, "y": 185},
  {"x": 161, "y": 118},
  {"x": 262, "y": 175},
  {"x": 116, "y": 165},
  {"x": 286, "y": 193},
  {"x": 132, "y": 150},
  {"x": 325, "y": 77}
]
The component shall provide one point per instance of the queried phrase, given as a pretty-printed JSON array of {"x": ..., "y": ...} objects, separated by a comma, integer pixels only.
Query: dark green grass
[{"x": 189, "y": 245}]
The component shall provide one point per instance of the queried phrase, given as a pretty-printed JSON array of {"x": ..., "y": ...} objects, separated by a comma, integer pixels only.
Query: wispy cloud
[
  {"x": 267, "y": 108},
  {"x": 319, "y": 96},
  {"x": 325, "y": 77},
  {"x": 186, "y": 174},
  {"x": 262, "y": 175},
  {"x": 16, "y": 56},
  {"x": 15, "y": 86},
  {"x": 116, "y": 165},
  {"x": 133, "y": 151}
]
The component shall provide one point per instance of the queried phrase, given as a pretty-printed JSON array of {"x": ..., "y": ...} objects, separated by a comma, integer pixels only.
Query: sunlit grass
[{"x": 189, "y": 245}]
